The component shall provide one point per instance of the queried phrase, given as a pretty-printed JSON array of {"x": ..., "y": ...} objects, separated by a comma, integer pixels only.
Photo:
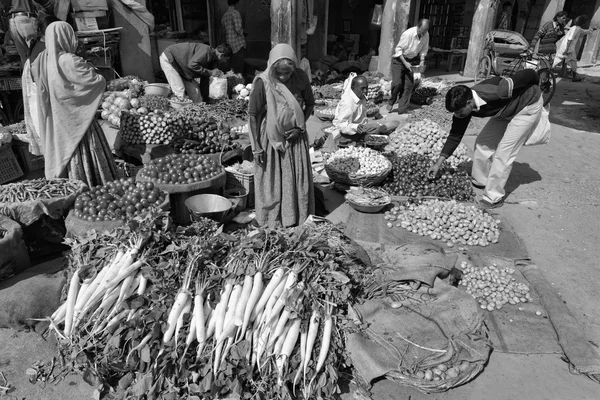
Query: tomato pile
[
  {"x": 409, "y": 178},
  {"x": 180, "y": 169},
  {"x": 427, "y": 138},
  {"x": 118, "y": 200},
  {"x": 154, "y": 128},
  {"x": 449, "y": 221}
]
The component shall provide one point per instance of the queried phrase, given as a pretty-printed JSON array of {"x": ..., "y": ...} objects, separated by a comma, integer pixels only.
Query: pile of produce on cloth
[
  {"x": 492, "y": 286},
  {"x": 180, "y": 169},
  {"x": 242, "y": 91},
  {"x": 327, "y": 112},
  {"x": 436, "y": 112},
  {"x": 327, "y": 91},
  {"x": 241, "y": 129},
  {"x": 208, "y": 137},
  {"x": 154, "y": 128},
  {"x": 409, "y": 178},
  {"x": 27, "y": 201},
  {"x": 367, "y": 196},
  {"x": 155, "y": 103},
  {"x": 358, "y": 161},
  {"x": 163, "y": 312},
  {"x": 118, "y": 200},
  {"x": 124, "y": 96},
  {"x": 449, "y": 221},
  {"x": 440, "y": 85},
  {"x": 222, "y": 110},
  {"x": 425, "y": 137},
  {"x": 425, "y": 92},
  {"x": 245, "y": 167}
]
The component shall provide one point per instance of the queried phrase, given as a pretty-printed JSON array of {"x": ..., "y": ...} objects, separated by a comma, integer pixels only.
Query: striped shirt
[
  {"x": 234, "y": 32},
  {"x": 548, "y": 35}
]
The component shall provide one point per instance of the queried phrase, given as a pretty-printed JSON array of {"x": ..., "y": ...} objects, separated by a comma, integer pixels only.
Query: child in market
[{"x": 567, "y": 50}]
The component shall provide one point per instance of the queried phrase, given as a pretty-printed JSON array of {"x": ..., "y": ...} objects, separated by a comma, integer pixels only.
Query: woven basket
[
  {"x": 426, "y": 386},
  {"x": 357, "y": 180}
]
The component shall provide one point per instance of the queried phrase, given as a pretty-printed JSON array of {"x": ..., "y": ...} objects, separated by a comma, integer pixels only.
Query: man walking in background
[
  {"x": 234, "y": 36},
  {"x": 23, "y": 27},
  {"x": 411, "y": 48}
]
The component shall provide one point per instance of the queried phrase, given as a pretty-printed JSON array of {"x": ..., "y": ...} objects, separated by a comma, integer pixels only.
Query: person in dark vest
[{"x": 515, "y": 104}]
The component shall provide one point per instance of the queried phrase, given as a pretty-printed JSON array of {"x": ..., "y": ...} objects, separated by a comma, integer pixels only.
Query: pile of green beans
[{"x": 37, "y": 189}]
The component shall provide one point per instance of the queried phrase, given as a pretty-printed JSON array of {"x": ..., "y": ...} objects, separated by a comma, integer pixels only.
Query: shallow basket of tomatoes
[
  {"x": 104, "y": 208},
  {"x": 184, "y": 173}
]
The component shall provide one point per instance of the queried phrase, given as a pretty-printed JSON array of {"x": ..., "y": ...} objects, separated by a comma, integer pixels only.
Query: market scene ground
[
  {"x": 299, "y": 199},
  {"x": 550, "y": 214}
]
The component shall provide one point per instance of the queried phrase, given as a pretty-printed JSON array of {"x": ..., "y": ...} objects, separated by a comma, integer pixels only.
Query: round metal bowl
[
  {"x": 208, "y": 205},
  {"x": 157, "y": 89}
]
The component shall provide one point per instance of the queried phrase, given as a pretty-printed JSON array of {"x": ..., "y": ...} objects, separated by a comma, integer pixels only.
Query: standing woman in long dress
[
  {"x": 69, "y": 92},
  {"x": 280, "y": 103}
]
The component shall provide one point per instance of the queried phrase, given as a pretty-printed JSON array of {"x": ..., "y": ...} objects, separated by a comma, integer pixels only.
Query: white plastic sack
[
  {"x": 348, "y": 83},
  {"x": 541, "y": 133},
  {"x": 217, "y": 88}
]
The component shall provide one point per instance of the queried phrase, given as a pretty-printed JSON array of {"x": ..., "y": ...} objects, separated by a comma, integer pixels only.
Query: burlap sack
[
  {"x": 435, "y": 326},
  {"x": 13, "y": 252},
  {"x": 28, "y": 212},
  {"x": 30, "y": 295}
]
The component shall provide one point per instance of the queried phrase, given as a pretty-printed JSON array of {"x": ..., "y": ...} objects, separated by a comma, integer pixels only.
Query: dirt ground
[{"x": 553, "y": 203}]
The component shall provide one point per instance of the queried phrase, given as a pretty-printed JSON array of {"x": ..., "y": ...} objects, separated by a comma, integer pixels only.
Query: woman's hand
[
  {"x": 293, "y": 134},
  {"x": 259, "y": 157}
]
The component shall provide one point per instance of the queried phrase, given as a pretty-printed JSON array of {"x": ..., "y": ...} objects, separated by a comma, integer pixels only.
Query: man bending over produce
[
  {"x": 183, "y": 62},
  {"x": 351, "y": 116},
  {"x": 515, "y": 105}
]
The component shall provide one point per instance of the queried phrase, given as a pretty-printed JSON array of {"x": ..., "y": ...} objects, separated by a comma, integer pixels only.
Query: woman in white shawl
[
  {"x": 280, "y": 102},
  {"x": 69, "y": 92}
]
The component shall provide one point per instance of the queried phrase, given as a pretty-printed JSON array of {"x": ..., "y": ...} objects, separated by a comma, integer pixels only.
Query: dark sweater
[
  {"x": 192, "y": 60},
  {"x": 505, "y": 98}
]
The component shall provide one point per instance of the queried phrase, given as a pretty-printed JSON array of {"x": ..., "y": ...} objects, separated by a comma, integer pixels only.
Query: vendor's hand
[
  {"x": 259, "y": 158},
  {"x": 215, "y": 72},
  {"x": 320, "y": 141},
  {"x": 434, "y": 169},
  {"x": 360, "y": 128},
  {"x": 293, "y": 134}
]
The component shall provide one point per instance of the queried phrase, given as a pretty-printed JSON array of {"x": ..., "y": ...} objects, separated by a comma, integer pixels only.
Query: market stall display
[
  {"x": 208, "y": 138},
  {"x": 153, "y": 128},
  {"x": 27, "y": 201},
  {"x": 180, "y": 170},
  {"x": 449, "y": 221},
  {"x": 425, "y": 137},
  {"x": 328, "y": 91},
  {"x": 409, "y": 178},
  {"x": 242, "y": 91},
  {"x": 493, "y": 286},
  {"x": 367, "y": 199},
  {"x": 159, "y": 308},
  {"x": 358, "y": 166},
  {"x": 221, "y": 111},
  {"x": 436, "y": 112},
  {"x": 119, "y": 100}
]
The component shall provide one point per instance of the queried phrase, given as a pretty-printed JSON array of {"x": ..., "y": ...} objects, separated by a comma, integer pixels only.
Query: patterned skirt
[{"x": 92, "y": 162}]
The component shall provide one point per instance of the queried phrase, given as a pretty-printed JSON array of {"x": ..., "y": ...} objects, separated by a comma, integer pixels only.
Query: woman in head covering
[
  {"x": 69, "y": 92},
  {"x": 280, "y": 102},
  {"x": 30, "y": 107}
]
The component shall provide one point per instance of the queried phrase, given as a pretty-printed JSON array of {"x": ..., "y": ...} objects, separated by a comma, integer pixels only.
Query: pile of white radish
[
  {"x": 493, "y": 287},
  {"x": 449, "y": 221},
  {"x": 100, "y": 299},
  {"x": 262, "y": 312},
  {"x": 359, "y": 161},
  {"x": 426, "y": 138},
  {"x": 442, "y": 372}
]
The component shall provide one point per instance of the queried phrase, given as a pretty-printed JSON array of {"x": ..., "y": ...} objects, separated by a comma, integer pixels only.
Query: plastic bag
[
  {"x": 541, "y": 133},
  {"x": 377, "y": 16},
  {"x": 348, "y": 83},
  {"x": 217, "y": 88}
]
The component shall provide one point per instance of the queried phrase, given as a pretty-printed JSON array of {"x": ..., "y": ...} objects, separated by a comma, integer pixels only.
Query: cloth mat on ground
[
  {"x": 372, "y": 228},
  {"x": 439, "y": 325}
]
